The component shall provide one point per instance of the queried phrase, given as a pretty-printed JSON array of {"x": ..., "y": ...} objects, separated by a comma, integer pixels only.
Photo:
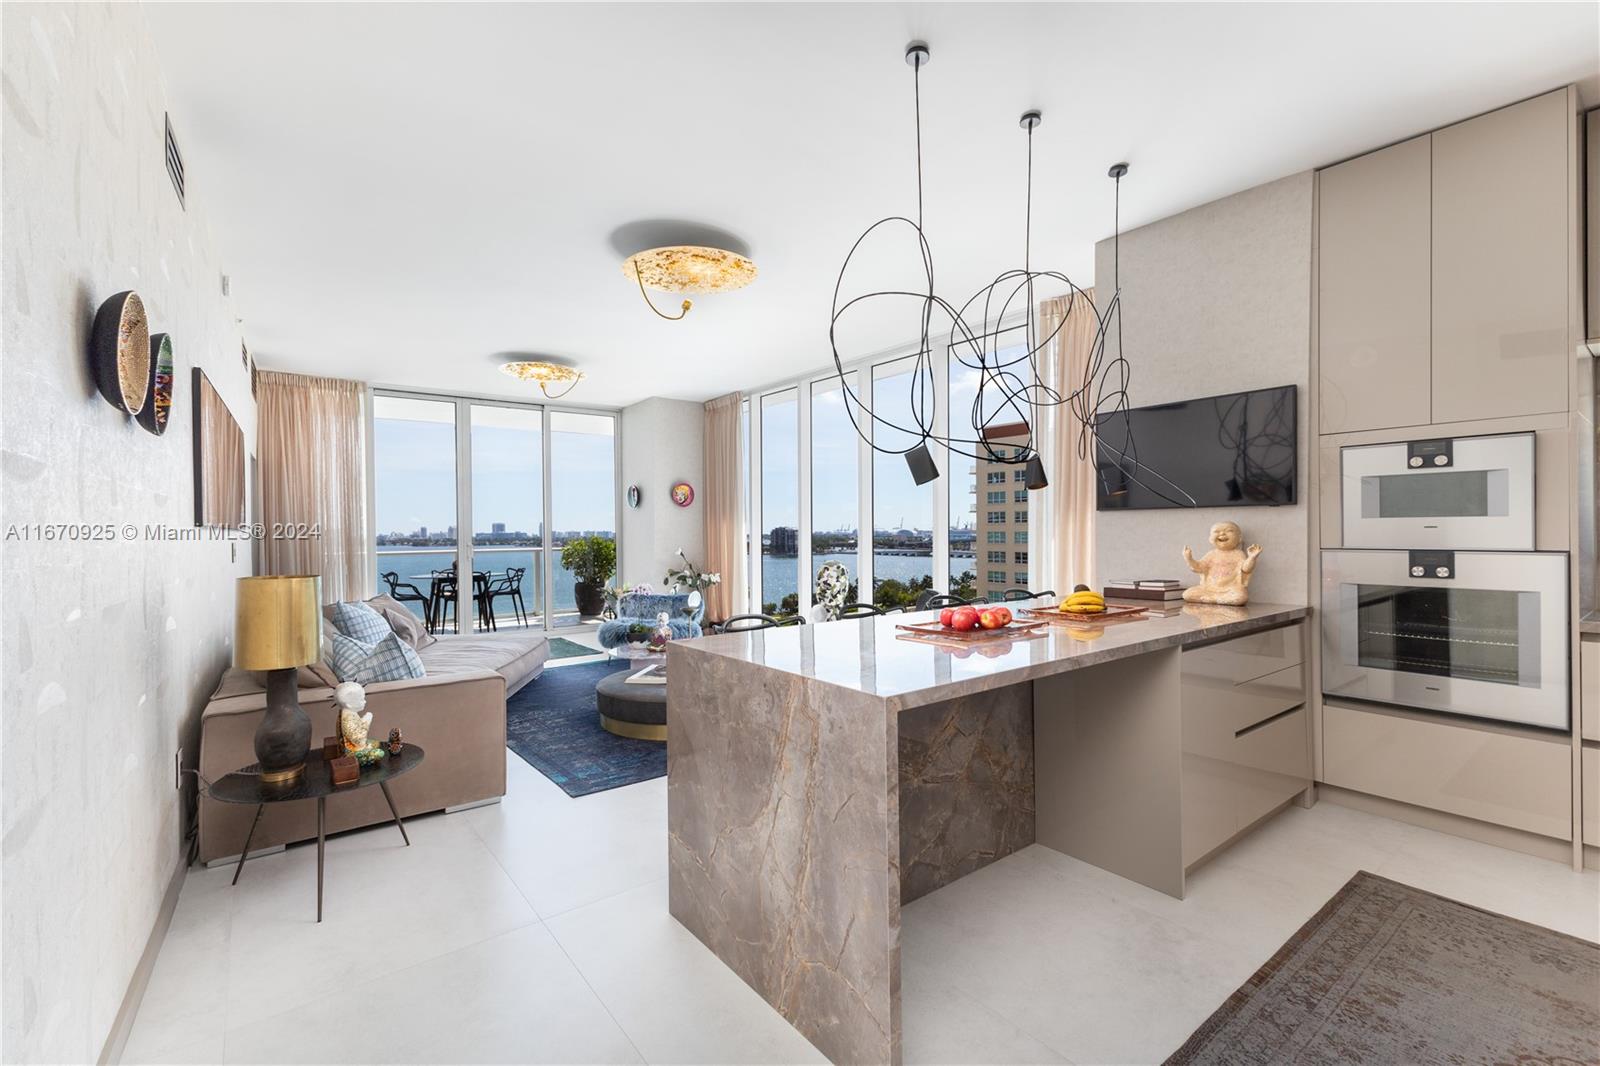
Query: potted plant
[
  {"x": 690, "y": 577},
  {"x": 592, "y": 561}
]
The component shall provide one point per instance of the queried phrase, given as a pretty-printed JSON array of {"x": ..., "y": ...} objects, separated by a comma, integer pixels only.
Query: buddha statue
[{"x": 1224, "y": 570}]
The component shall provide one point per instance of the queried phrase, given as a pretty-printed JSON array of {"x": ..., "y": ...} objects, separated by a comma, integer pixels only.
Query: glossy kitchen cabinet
[
  {"x": 1592, "y": 238},
  {"x": 1246, "y": 739},
  {"x": 1500, "y": 262},
  {"x": 1515, "y": 778},
  {"x": 1373, "y": 283}
]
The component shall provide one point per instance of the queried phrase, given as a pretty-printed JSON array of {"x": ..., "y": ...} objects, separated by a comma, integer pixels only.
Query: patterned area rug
[
  {"x": 553, "y": 724},
  {"x": 1386, "y": 973}
]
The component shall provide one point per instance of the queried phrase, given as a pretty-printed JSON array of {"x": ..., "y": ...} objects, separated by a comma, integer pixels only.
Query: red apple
[
  {"x": 989, "y": 618},
  {"x": 945, "y": 616},
  {"x": 964, "y": 619},
  {"x": 1005, "y": 615}
]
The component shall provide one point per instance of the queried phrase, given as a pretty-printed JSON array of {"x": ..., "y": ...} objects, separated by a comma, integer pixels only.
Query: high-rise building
[
  {"x": 1000, "y": 526},
  {"x": 784, "y": 540},
  {"x": 497, "y": 527}
]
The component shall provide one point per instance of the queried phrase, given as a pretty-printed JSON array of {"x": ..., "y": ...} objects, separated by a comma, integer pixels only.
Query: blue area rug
[{"x": 554, "y": 725}]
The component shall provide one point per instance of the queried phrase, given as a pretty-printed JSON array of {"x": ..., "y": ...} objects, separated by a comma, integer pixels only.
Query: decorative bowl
[
  {"x": 119, "y": 349},
  {"x": 158, "y": 397}
]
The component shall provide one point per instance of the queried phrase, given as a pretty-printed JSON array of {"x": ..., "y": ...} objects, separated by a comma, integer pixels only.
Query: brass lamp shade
[{"x": 278, "y": 622}]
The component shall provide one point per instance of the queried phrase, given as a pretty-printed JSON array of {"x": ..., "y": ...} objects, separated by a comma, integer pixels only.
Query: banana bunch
[{"x": 1083, "y": 601}]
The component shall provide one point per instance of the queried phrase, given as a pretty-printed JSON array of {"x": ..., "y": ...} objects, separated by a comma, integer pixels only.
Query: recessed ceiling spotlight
[{"x": 545, "y": 374}]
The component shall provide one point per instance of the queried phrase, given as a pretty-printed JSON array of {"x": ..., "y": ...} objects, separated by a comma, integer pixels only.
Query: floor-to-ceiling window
[
  {"x": 414, "y": 498},
  {"x": 532, "y": 480},
  {"x": 835, "y": 482},
  {"x": 508, "y": 510},
  {"x": 902, "y": 510},
  {"x": 780, "y": 503},
  {"x": 980, "y": 489},
  {"x": 583, "y": 502}
]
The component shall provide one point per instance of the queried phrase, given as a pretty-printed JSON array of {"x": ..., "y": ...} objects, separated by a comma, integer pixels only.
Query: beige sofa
[{"x": 457, "y": 713}]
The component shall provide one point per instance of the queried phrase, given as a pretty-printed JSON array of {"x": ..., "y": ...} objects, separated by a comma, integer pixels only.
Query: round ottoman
[{"x": 635, "y": 711}]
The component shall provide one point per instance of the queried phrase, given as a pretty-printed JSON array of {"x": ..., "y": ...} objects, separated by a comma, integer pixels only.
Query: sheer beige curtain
[
  {"x": 724, "y": 506},
  {"x": 1071, "y": 495},
  {"x": 313, "y": 476}
]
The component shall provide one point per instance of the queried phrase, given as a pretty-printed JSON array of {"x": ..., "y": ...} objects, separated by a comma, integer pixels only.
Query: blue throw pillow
[
  {"x": 390, "y": 659},
  {"x": 360, "y": 622}
]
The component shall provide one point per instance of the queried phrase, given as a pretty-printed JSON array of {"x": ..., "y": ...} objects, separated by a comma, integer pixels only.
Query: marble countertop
[{"x": 865, "y": 655}]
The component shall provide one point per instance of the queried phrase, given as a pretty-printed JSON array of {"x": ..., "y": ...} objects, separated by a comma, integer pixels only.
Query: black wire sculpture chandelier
[{"x": 1009, "y": 387}]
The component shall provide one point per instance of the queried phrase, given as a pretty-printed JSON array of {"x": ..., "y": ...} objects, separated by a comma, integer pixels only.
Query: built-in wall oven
[
  {"x": 1445, "y": 492},
  {"x": 1465, "y": 632}
]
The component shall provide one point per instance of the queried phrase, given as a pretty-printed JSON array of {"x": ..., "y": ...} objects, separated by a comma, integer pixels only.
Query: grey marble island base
[{"x": 818, "y": 777}]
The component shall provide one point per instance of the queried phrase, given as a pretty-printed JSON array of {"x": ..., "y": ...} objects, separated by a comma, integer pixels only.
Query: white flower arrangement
[{"x": 691, "y": 577}]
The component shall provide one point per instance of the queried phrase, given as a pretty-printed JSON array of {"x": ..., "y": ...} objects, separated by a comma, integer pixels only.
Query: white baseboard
[{"x": 117, "y": 1039}]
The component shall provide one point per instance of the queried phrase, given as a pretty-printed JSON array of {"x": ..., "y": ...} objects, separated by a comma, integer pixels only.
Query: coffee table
[
  {"x": 245, "y": 786},
  {"x": 638, "y": 712}
]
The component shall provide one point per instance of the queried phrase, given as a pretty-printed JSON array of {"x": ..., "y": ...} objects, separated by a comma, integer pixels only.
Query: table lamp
[{"x": 278, "y": 628}]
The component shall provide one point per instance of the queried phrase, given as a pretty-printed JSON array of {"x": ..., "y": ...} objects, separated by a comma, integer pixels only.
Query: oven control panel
[
  {"x": 1439, "y": 565},
  {"x": 1425, "y": 453}
]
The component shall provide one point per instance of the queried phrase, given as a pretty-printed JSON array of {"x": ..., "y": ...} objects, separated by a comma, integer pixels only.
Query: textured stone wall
[
  {"x": 663, "y": 441},
  {"x": 1216, "y": 299},
  {"x": 109, "y": 647}
]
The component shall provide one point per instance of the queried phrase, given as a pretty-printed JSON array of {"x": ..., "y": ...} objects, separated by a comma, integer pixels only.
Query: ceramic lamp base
[{"x": 284, "y": 735}]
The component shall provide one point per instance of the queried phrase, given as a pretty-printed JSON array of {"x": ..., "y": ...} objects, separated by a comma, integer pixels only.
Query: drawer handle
[{"x": 1237, "y": 733}]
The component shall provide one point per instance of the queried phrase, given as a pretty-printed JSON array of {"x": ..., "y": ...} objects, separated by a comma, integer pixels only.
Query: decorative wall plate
[
  {"x": 634, "y": 496},
  {"x": 119, "y": 349},
  {"x": 683, "y": 494},
  {"x": 158, "y": 397}
]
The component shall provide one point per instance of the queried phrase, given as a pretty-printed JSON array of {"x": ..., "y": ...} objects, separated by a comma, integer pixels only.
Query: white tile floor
[{"x": 536, "y": 930}]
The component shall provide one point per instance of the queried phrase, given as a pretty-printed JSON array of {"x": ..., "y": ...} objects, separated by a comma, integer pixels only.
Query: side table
[{"x": 245, "y": 786}]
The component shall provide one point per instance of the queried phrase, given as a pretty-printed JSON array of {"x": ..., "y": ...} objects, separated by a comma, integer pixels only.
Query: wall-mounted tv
[{"x": 1236, "y": 450}]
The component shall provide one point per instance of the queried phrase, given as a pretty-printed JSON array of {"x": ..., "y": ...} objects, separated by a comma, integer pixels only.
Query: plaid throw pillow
[
  {"x": 360, "y": 622},
  {"x": 390, "y": 659}
]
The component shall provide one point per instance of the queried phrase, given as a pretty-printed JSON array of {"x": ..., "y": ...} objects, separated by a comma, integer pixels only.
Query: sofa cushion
[
  {"x": 390, "y": 659},
  {"x": 402, "y": 621},
  {"x": 517, "y": 657},
  {"x": 360, "y": 622}
]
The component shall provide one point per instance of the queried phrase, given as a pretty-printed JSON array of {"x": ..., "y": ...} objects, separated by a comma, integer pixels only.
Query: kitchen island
[{"x": 819, "y": 776}]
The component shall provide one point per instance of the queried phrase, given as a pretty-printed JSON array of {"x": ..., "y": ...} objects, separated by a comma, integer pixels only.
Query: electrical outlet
[{"x": 177, "y": 770}]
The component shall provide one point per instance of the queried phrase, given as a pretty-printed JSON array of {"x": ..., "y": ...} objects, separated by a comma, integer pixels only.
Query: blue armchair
[{"x": 685, "y": 611}]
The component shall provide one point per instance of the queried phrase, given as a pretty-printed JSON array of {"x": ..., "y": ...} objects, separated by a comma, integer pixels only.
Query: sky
[{"x": 415, "y": 474}]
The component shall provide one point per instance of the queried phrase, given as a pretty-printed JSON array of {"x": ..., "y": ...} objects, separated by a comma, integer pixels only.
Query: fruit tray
[
  {"x": 934, "y": 633},
  {"x": 1110, "y": 614}
]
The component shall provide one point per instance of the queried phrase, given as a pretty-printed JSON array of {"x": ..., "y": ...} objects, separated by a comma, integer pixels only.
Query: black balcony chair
[
  {"x": 932, "y": 601},
  {"x": 741, "y": 623},
  {"x": 444, "y": 601},
  {"x": 406, "y": 592},
  {"x": 1024, "y": 594},
  {"x": 860, "y": 610},
  {"x": 792, "y": 620},
  {"x": 509, "y": 586}
]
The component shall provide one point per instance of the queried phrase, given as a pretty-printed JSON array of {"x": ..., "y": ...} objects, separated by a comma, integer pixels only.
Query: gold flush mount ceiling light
[
  {"x": 545, "y": 374},
  {"x": 688, "y": 268}
]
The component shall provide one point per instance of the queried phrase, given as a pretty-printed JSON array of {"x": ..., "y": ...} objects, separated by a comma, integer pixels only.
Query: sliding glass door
[
  {"x": 780, "y": 504},
  {"x": 902, "y": 510},
  {"x": 531, "y": 482}
]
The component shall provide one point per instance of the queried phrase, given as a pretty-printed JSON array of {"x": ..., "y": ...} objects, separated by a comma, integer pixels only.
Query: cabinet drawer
[
  {"x": 1215, "y": 711},
  {"x": 1589, "y": 688},
  {"x": 1518, "y": 780},
  {"x": 1591, "y": 795},
  {"x": 1245, "y": 658},
  {"x": 1230, "y": 783}
]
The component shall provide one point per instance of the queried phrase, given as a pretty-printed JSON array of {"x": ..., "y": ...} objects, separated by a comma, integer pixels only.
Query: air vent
[{"x": 174, "y": 161}]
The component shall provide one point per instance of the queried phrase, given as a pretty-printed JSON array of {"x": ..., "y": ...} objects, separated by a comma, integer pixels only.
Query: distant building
[
  {"x": 784, "y": 540},
  {"x": 1000, "y": 526},
  {"x": 497, "y": 527}
]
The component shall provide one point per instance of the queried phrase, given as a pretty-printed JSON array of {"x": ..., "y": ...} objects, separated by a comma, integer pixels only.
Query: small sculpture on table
[
  {"x": 395, "y": 743},
  {"x": 662, "y": 634},
  {"x": 1224, "y": 570},
  {"x": 355, "y": 725}
]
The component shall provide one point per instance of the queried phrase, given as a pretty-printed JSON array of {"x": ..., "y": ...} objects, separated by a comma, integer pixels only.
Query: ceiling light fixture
[
  {"x": 687, "y": 268},
  {"x": 544, "y": 373},
  {"x": 1009, "y": 386}
]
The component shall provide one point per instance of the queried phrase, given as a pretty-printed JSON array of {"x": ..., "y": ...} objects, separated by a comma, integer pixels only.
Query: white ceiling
[{"x": 403, "y": 191}]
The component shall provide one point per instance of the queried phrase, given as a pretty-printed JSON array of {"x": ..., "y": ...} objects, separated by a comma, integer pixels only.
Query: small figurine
[
  {"x": 1225, "y": 570},
  {"x": 833, "y": 585},
  {"x": 351, "y": 699},
  {"x": 395, "y": 743},
  {"x": 663, "y": 633}
]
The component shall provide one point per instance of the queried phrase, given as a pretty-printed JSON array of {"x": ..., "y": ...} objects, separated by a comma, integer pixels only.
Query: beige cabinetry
[
  {"x": 1246, "y": 740},
  {"x": 1500, "y": 253},
  {"x": 1516, "y": 778},
  {"x": 1589, "y": 687},
  {"x": 1591, "y": 795},
  {"x": 1592, "y": 156},
  {"x": 1443, "y": 274},
  {"x": 1372, "y": 289}
]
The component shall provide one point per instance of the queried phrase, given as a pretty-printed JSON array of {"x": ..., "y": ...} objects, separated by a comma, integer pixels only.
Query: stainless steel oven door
[
  {"x": 1489, "y": 641},
  {"x": 1455, "y": 492}
]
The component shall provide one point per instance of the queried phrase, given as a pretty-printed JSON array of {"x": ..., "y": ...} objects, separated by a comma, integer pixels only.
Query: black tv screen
[{"x": 1236, "y": 450}]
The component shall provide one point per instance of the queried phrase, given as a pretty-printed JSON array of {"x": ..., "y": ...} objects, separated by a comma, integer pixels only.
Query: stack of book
[{"x": 1144, "y": 589}]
